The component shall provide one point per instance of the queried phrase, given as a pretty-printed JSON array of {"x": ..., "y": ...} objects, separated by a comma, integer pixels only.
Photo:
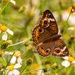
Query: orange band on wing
[
  {"x": 46, "y": 15},
  {"x": 58, "y": 53},
  {"x": 54, "y": 25},
  {"x": 36, "y": 34},
  {"x": 54, "y": 28},
  {"x": 63, "y": 54},
  {"x": 44, "y": 20},
  {"x": 55, "y": 53},
  {"x": 42, "y": 23},
  {"x": 42, "y": 51},
  {"x": 61, "y": 44},
  {"x": 60, "y": 41}
]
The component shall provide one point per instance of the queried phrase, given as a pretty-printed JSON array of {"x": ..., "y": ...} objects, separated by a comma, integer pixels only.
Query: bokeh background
[{"x": 21, "y": 18}]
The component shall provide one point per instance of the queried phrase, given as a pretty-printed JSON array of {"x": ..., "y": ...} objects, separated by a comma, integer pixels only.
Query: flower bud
[
  {"x": 73, "y": 6},
  {"x": 22, "y": 8},
  {"x": 55, "y": 66},
  {"x": 6, "y": 43},
  {"x": 29, "y": 61}
]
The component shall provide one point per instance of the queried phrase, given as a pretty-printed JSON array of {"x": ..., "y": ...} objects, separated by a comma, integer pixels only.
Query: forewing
[
  {"x": 40, "y": 34},
  {"x": 48, "y": 21}
]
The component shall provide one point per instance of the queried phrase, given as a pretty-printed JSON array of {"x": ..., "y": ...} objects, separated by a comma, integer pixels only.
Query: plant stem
[
  {"x": 10, "y": 59},
  {"x": 23, "y": 70},
  {"x": 39, "y": 61},
  {"x": 60, "y": 69},
  {"x": 4, "y": 7},
  {"x": 25, "y": 41},
  {"x": 34, "y": 70},
  {"x": 8, "y": 63},
  {"x": 66, "y": 26},
  {"x": 13, "y": 19}
]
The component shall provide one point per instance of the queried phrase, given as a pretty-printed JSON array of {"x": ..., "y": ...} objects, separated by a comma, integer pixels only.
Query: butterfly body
[{"x": 46, "y": 36}]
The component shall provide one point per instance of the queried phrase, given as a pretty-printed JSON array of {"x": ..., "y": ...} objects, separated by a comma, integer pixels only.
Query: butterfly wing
[
  {"x": 46, "y": 29},
  {"x": 40, "y": 34},
  {"x": 45, "y": 49},
  {"x": 48, "y": 21},
  {"x": 60, "y": 49},
  {"x": 57, "y": 48},
  {"x": 47, "y": 38}
]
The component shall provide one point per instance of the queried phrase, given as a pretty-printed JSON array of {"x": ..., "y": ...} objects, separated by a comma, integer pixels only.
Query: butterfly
[{"x": 46, "y": 36}]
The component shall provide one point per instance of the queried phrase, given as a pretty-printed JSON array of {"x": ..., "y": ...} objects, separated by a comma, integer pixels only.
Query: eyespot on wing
[
  {"x": 45, "y": 49},
  {"x": 60, "y": 49}
]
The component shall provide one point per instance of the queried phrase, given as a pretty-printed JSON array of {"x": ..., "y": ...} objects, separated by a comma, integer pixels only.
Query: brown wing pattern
[
  {"x": 45, "y": 49},
  {"x": 48, "y": 21},
  {"x": 60, "y": 49},
  {"x": 40, "y": 35},
  {"x": 44, "y": 32},
  {"x": 46, "y": 36}
]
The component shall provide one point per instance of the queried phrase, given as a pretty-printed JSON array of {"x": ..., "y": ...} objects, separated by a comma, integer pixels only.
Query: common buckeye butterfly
[{"x": 46, "y": 36}]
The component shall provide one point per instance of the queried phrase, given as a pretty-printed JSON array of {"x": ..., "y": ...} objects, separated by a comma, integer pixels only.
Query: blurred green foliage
[{"x": 22, "y": 25}]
